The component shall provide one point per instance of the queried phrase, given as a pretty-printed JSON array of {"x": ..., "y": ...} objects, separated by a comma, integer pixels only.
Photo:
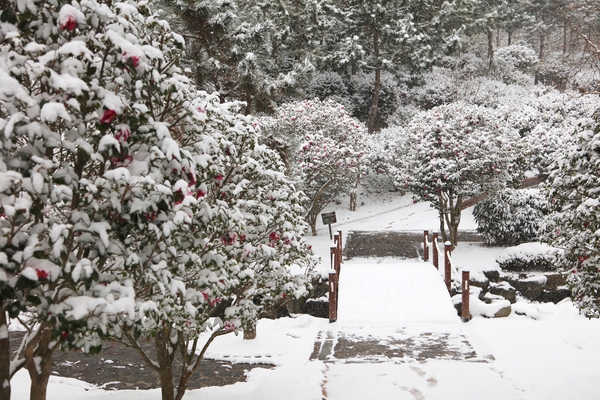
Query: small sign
[{"x": 328, "y": 218}]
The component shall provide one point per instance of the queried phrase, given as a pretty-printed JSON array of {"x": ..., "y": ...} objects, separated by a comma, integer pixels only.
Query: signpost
[{"x": 328, "y": 219}]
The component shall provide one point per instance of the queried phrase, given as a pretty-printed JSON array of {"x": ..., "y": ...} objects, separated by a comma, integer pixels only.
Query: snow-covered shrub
[
  {"x": 511, "y": 216},
  {"x": 519, "y": 57},
  {"x": 330, "y": 85},
  {"x": 327, "y": 150},
  {"x": 133, "y": 205},
  {"x": 531, "y": 257},
  {"x": 572, "y": 190},
  {"x": 440, "y": 86},
  {"x": 454, "y": 152}
]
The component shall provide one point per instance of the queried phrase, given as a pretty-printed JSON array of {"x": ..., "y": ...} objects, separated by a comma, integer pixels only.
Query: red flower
[
  {"x": 70, "y": 24},
  {"x": 108, "y": 117},
  {"x": 64, "y": 334},
  {"x": 122, "y": 135},
  {"x": 200, "y": 193},
  {"x": 41, "y": 274},
  {"x": 274, "y": 236},
  {"x": 219, "y": 178}
]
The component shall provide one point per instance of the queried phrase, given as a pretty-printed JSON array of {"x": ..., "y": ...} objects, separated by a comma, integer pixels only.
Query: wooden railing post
[
  {"x": 333, "y": 289},
  {"x": 466, "y": 291},
  {"x": 447, "y": 269},
  {"x": 333, "y": 284},
  {"x": 436, "y": 252},
  {"x": 425, "y": 246}
]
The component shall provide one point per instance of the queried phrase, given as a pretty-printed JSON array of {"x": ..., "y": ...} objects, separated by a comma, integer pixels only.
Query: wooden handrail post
[
  {"x": 436, "y": 251},
  {"x": 466, "y": 291},
  {"x": 333, "y": 289},
  {"x": 425, "y": 246},
  {"x": 447, "y": 272}
]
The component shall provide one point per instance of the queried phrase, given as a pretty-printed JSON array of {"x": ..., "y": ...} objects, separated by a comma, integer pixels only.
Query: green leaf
[{"x": 9, "y": 16}]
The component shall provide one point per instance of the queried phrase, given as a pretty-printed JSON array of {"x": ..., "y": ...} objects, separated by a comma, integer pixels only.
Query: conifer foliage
[{"x": 132, "y": 205}]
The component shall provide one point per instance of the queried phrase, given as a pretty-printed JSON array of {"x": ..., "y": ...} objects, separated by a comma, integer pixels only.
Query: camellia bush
[
  {"x": 326, "y": 150},
  {"x": 452, "y": 153},
  {"x": 572, "y": 189},
  {"x": 133, "y": 207},
  {"x": 511, "y": 216}
]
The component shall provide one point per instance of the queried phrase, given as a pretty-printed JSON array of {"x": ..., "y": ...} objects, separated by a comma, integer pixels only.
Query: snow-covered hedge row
[{"x": 531, "y": 257}]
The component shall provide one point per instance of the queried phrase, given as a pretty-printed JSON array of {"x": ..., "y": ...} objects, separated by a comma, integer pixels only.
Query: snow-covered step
[{"x": 394, "y": 292}]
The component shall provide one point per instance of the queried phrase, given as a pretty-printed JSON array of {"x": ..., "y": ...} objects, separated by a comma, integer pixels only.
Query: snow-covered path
[{"x": 390, "y": 293}]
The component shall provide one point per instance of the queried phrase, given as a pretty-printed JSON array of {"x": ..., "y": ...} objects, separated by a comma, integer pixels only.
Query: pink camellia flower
[
  {"x": 69, "y": 24},
  {"x": 200, "y": 193},
  {"x": 219, "y": 178},
  {"x": 229, "y": 326},
  {"x": 108, "y": 116}
]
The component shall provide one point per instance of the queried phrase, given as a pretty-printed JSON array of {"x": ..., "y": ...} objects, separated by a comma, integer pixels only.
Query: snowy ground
[{"x": 555, "y": 356}]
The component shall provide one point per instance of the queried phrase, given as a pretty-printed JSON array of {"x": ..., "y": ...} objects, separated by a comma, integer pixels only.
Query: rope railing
[{"x": 450, "y": 272}]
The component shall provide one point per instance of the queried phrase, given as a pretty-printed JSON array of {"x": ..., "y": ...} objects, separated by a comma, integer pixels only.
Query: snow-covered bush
[
  {"x": 440, "y": 86},
  {"x": 327, "y": 150},
  {"x": 511, "y": 216},
  {"x": 330, "y": 85},
  {"x": 517, "y": 57},
  {"x": 454, "y": 152},
  {"x": 133, "y": 206},
  {"x": 531, "y": 257},
  {"x": 572, "y": 189}
]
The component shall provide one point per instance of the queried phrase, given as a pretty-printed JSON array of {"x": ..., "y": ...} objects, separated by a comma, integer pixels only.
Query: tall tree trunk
[
  {"x": 490, "y": 37},
  {"x": 4, "y": 357},
  {"x": 565, "y": 31},
  {"x": 377, "y": 89},
  {"x": 542, "y": 46},
  {"x": 38, "y": 361},
  {"x": 165, "y": 361}
]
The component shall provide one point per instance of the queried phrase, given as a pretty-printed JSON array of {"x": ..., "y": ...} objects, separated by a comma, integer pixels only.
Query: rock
[
  {"x": 484, "y": 285},
  {"x": 493, "y": 276},
  {"x": 505, "y": 290},
  {"x": 554, "y": 281},
  {"x": 317, "y": 308},
  {"x": 503, "y": 312},
  {"x": 554, "y": 296},
  {"x": 531, "y": 288}
]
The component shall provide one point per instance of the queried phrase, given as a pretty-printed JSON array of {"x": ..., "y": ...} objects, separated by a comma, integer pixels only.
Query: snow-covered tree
[
  {"x": 572, "y": 189},
  {"x": 133, "y": 206},
  {"x": 258, "y": 52},
  {"x": 453, "y": 152},
  {"x": 325, "y": 148}
]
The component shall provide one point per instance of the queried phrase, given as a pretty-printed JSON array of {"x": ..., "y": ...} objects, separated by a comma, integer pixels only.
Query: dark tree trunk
[
  {"x": 165, "y": 361},
  {"x": 250, "y": 332},
  {"x": 371, "y": 125},
  {"x": 38, "y": 361},
  {"x": 4, "y": 357},
  {"x": 490, "y": 37}
]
